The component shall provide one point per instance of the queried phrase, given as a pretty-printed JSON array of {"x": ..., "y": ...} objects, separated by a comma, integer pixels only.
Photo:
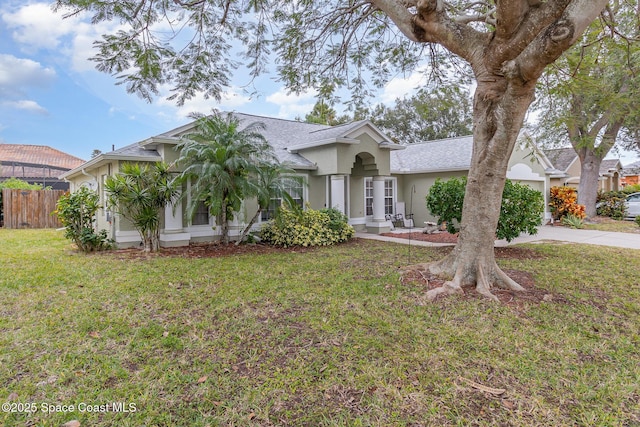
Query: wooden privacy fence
[{"x": 30, "y": 208}]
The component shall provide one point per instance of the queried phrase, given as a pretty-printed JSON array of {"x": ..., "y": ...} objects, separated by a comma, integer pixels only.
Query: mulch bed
[{"x": 442, "y": 237}]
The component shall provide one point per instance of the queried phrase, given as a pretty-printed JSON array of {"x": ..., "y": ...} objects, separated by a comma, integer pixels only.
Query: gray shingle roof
[
  {"x": 135, "y": 150},
  {"x": 608, "y": 164},
  {"x": 632, "y": 168},
  {"x": 561, "y": 157},
  {"x": 433, "y": 156},
  {"x": 285, "y": 134}
]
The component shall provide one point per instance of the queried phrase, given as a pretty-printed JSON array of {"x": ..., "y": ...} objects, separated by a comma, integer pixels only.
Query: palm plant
[
  {"x": 272, "y": 181},
  {"x": 138, "y": 193},
  {"x": 220, "y": 158}
]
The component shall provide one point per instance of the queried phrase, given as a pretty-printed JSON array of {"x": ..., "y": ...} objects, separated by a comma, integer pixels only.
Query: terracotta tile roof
[{"x": 36, "y": 155}]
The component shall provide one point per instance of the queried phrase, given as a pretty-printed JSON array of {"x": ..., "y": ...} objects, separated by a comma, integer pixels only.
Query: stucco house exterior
[
  {"x": 353, "y": 167},
  {"x": 567, "y": 162},
  {"x": 631, "y": 174}
]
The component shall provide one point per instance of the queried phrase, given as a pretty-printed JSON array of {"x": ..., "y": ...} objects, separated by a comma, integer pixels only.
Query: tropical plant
[
  {"x": 76, "y": 212},
  {"x": 271, "y": 182},
  {"x": 221, "y": 160},
  {"x": 572, "y": 221},
  {"x": 564, "y": 201},
  {"x": 520, "y": 212},
  {"x": 138, "y": 192}
]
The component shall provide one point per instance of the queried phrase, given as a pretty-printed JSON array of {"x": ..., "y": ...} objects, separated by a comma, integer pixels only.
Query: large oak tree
[
  {"x": 591, "y": 95},
  {"x": 329, "y": 43}
]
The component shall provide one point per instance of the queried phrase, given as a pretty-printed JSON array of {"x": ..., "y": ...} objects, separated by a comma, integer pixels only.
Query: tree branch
[{"x": 550, "y": 44}]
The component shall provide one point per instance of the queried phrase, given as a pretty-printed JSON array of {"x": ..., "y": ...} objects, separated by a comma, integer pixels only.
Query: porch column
[
  {"x": 337, "y": 193},
  {"x": 378, "y": 223},
  {"x": 173, "y": 233},
  {"x": 378, "y": 199},
  {"x": 173, "y": 217}
]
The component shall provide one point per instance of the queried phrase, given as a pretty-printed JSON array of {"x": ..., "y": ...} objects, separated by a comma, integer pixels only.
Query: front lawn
[
  {"x": 322, "y": 337},
  {"x": 608, "y": 224}
]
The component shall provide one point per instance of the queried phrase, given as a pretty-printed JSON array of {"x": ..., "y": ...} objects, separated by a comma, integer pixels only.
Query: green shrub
[
  {"x": 307, "y": 228},
  {"x": 520, "y": 212},
  {"x": 635, "y": 188},
  {"x": 611, "y": 204},
  {"x": 76, "y": 212},
  {"x": 638, "y": 220},
  {"x": 572, "y": 221}
]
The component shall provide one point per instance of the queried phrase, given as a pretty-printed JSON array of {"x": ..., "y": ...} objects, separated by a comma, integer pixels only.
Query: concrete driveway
[{"x": 545, "y": 233}]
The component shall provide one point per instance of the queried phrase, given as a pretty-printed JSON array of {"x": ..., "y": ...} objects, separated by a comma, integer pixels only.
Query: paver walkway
[{"x": 545, "y": 233}]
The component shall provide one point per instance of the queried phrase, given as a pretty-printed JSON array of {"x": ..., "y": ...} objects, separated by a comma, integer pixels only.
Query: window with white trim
[
  {"x": 389, "y": 196},
  {"x": 295, "y": 188}
]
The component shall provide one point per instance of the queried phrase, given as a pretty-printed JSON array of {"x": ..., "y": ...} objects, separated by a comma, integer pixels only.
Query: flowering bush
[
  {"x": 307, "y": 228},
  {"x": 564, "y": 201}
]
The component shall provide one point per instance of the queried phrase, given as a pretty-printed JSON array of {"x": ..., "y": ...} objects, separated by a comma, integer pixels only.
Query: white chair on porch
[{"x": 401, "y": 217}]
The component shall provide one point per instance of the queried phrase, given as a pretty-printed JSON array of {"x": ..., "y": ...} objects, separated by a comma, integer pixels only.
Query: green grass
[{"x": 327, "y": 337}]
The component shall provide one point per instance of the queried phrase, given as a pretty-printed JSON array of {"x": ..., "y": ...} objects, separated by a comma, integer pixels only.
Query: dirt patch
[{"x": 517, "y": 300}]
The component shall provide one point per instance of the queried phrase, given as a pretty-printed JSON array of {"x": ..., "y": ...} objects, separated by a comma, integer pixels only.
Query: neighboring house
[
  {"x": 631, "y": 174},
  {"x": 36, "y": 164},
  {"x": 353, "y": 167},
  {"x": 567, "y": 163}
]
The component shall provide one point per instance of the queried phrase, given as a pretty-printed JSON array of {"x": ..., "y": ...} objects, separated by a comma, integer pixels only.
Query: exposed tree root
[{"x": 482, "y": 276}]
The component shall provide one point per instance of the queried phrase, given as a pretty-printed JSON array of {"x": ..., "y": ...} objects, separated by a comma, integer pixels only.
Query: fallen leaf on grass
[
  {"x": 202, "y": 379},
  {"x": 72, "y": 423},
  {"x": 13, "y": 396},
  {"x": 94, "y": 334},
  {"x": 477, "y": 386},
  {"x": 252, "y": 416}
]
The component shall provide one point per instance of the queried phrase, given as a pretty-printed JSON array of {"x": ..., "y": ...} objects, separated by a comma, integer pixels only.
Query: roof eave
[
  {"x": 439, "y": 170},
  {"x": 320, "y": 143},
  {"x": 103, "y": 159}
]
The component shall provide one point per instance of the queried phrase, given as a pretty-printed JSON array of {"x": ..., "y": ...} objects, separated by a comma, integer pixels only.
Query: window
[
  {"x": 368, "y": 196},
  {"x": 201, "y": 215},
  {"x": 389, "y": 196},
  {"x": 295, "y": 189}
]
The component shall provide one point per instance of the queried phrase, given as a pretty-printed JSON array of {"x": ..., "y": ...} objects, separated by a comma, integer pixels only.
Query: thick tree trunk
[
  {"x": 498, "y": 119},
  {"x": 588, "y": 187}
]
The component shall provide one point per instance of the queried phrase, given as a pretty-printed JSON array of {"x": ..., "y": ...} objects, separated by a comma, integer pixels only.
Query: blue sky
[{"x": 50, "y": 93}]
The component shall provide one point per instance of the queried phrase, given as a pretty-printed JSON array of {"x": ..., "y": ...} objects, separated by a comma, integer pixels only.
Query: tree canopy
[
  {"x": 328, "y": 44},
  {"x": 442, "y": 112},
  {"x": 590, "y": 97}
]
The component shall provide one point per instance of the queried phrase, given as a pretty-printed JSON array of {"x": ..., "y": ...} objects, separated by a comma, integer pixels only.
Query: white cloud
[
  {"x": 401, "y": 87},
  {"x": 292, "y": 105},
  {"x": 17, "y": 73},
  {"x": 36, "y": 25},
  {"x": 26, "y": 105}
]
